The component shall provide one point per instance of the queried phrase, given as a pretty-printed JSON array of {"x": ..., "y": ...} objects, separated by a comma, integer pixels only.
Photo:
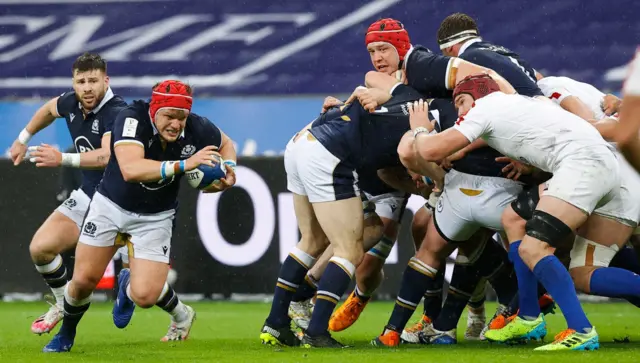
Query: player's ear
[{"x": 106, "y": 80}]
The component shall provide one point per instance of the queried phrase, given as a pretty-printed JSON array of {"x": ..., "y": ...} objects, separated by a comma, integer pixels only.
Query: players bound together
[{"x": 520, "y": 174}]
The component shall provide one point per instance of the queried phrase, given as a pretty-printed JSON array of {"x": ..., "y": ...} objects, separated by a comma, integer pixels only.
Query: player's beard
[{"x": 93, "y": 102}]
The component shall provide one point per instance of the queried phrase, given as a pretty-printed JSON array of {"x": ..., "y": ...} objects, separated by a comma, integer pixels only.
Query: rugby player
[
  {"x": 592, "y": 266},
  {"x": 321, "y": 161},
  {"x": 557, "y": 142},
  {"x": 387, "y": 52},
  {"x": 89, "y": 109},
  {"x": 153, "y": 145}
]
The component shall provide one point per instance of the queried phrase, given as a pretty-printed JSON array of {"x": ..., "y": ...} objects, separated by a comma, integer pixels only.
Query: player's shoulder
[
  {"x": 200, "y": 123},
  {"x": 419, "y": 52},
  {"x": 114, "y": 106},
  {"x": 67, "y": 102},
  {"x": 137, "y": 112}
]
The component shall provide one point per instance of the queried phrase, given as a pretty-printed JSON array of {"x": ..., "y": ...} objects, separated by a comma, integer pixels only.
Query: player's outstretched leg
[
  {"x": 58, "y": 233},
  {"x": 90, "y": 264},
  {"x": 276, "y": 329}
]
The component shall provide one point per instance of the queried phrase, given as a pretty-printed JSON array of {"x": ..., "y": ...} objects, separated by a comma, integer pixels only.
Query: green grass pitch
[{"x": 228, "y": 332}]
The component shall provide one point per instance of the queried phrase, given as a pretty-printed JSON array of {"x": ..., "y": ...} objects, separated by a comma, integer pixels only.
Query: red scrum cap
[
  {"x": 389, "y": 31},
  {"x": 170, "y": 94},
  {"x": 477, "y": 86}
]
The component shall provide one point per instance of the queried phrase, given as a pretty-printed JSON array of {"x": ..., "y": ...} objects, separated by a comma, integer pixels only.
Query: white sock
[
  {"x": 180, "y": 313},
  {"x": 58, "y": 292}
]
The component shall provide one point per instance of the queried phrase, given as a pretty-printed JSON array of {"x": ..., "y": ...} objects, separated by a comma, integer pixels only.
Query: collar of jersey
[
  {"x": 107, "y": 96},
  {"x": 467, "y": 44},
  {"x": 155, "y": 130}
]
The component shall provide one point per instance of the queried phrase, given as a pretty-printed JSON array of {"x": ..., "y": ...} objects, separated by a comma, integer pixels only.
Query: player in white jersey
[
  {"x": 627, "y": 131},
  {"x": 585, "y": 180},
  {"x": 594, "y": 248}
]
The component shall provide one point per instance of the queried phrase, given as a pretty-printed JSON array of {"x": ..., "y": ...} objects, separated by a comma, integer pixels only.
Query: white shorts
[
  {"x": 587, "y": 182},
  {"x": 389, "y": 205},
  {"x": 150, "y": 233},
  {"x": 75, "y": 207},
  {"x": 315, "y": 172},
  {"x": 624, "y": 207},
  {"x": 470, "y": 202}
]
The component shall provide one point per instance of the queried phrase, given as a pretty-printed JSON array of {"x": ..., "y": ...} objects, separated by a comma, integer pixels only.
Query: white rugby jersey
[
  {"x": 632, "y": 83},
  {"x": 527, "y": 129},
  {"x": 558, "y": 88}
]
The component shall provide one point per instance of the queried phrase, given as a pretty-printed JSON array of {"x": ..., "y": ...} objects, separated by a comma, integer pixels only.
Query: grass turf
[{"x": 228, "y": 332}]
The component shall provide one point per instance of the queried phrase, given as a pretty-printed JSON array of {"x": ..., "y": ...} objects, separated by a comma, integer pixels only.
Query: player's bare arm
[
  {"x": 45, "y": 115},
  {"x": 574, "y": 105},
  {"x": 432, "y": 146},
  {"x": 45, "y": 155},
  {"x": 135, "y": 168}
]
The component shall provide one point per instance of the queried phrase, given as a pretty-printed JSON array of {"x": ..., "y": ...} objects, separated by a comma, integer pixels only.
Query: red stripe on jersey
[{"x": 555, "y": 95}]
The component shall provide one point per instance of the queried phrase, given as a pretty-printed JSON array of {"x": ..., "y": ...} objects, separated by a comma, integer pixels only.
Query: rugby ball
[{"x": 205, "y": 175}]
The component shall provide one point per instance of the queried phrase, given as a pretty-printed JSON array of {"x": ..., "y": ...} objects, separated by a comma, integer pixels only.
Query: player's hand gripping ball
[{"x": 204, "y": 175}]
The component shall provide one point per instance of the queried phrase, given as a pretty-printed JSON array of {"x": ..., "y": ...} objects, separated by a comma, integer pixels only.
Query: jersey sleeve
[
  {"x": 65, "y": 104},
  {"x": 632, "y": 83},
  {"x": 211, "y": 135},
  {"x": 128, "y": 128},
  {"x": 474, "y": 124},
  {"x": 554, "y": 91},
  {"x": 429, "y": 73}
]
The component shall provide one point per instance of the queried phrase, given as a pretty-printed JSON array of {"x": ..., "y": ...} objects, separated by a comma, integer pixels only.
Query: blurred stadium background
[{"x": 260, "y": 70}]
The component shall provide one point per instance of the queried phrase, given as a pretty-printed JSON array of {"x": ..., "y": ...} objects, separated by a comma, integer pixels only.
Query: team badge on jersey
[
  {"x": 95, "y": 128},
  {"x": 187, "y": 151}
]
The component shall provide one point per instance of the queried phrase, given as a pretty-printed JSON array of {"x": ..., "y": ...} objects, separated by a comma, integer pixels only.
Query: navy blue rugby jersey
[
  {"x": 506, "y": 63},
  {"x": 133, "y": 125},
  {"x": 87, "y": 131},
  {"x": 364, "y": 140}
]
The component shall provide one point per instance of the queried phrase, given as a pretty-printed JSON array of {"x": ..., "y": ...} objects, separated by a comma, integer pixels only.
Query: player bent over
[
  {"x": 89, "y": 109},
  {"x": 153, "y": 145},
  {"x": 585, "y": 178}
]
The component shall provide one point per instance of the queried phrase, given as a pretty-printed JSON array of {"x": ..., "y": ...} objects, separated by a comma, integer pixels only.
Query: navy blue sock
[
  {"x": 464, "y": 280},
  {"x": 627, "y": 259},
  {"x": 614, "y": 282},
  {"x": 433, "y": 296},
  {"x": 73, "y": 311},
  {"x": 527, "y": 284},
  {"x": 556, "y": 279},
  {"x": 452, "y": 310},
  {"x": 334, "y": 282},
  {"x": 292, "y": 273},
  {"x": 418, "y": 277},
  {"x": 307, "y": 289}
]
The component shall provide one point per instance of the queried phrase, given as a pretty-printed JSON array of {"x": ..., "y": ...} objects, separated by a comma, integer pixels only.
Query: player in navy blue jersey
[
  {"x": 89, "y": 110},
  {"x": 153, "y": 145},
  {"x": 321, "y": 161}
]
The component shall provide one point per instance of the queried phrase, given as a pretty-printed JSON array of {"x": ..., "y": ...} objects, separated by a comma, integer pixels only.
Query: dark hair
[
  {"x": 454, "y": 24},
  {"x": 88, "y": 62},
  {"x": 186, "y": 85}
]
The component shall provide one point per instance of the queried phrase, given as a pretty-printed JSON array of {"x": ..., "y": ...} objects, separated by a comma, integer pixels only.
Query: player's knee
[
  {"x": 547, "y": 228},
  {"x": 581, "y": 277},
  {"x": 41, "y": 251},
  {"x": 145, "y": 297},
  {"x": 353, "y": 252},
  {"x": 85, "y": 282}
]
